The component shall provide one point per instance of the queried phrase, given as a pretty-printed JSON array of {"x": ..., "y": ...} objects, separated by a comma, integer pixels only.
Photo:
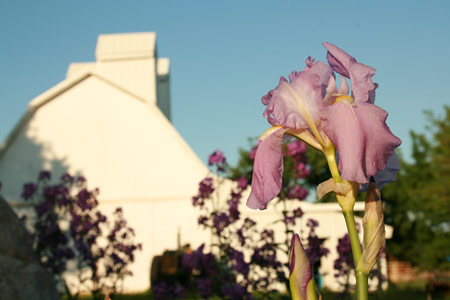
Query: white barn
[{"x": 110, "y": 121}]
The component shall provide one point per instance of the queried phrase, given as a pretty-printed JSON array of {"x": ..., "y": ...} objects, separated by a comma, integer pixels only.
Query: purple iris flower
[
  {"x": 311, "y": 107},
  {"x": 357, "y": 129}
]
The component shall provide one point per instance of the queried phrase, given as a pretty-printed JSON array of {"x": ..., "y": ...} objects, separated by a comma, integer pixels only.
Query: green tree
[{"x": 418, "y": 204}]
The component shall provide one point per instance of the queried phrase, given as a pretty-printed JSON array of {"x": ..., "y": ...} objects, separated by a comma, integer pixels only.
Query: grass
[{"x": 410, "y": 291}]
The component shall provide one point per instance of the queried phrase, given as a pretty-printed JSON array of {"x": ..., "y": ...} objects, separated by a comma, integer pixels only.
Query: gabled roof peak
[{"x": 126, "y": 46}]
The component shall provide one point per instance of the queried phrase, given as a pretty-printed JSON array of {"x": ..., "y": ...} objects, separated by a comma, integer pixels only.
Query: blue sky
[{"x": 225, "y": 55}]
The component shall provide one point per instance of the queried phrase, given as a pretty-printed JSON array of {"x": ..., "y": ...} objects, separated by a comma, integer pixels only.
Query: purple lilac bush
[
  {"x": 228, "y": 273},
  {"x": 68, "y": 227}
]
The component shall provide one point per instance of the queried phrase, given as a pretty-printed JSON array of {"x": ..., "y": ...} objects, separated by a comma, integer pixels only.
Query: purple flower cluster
[
  {"x": 290, "y": 218},
  {"x": 234, "y": 291},
  {"x": 315, "y": 249},
  {"x": 220, "y": 222},
  {"x": 217, "y": 160},
  {"x": 297, "y": 192},
  {"x": 234, "y": 273},
  {"x": 266, "y": 255},
  {"x": 216, "y": 220},
  {"x": 205, "y": 189},
  {"x": 238, "y": 262},
  {"x": 204, "y": 287},
  {"x": 343, "y": 265},
  {"x": 210, "y": 276},
  {"x": 295, "y": 154},
  {"x": 29, "y": 189},
  {"x": 69, "y": 201},
  {"x": 199, "y": 262},
  {"x": 120, "y": 252},
  {"x": 202, "y": 268},
  {"x": 248, "y": 226},
  {"x": 165, "y": 291}
]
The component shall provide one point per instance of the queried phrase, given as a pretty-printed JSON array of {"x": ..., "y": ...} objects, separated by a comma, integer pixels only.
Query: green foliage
[{"x": 418, "y": 204}]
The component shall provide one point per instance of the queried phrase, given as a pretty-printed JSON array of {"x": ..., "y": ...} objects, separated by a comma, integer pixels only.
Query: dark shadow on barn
[{"x": 22, "y": 157}]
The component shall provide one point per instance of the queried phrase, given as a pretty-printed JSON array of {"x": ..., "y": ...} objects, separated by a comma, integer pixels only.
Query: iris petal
[
  {"x": 342, "y": 127},
  {"x": 380, "y": 142},
  {"x": 290, "y": 104},
  {"x": 388, "y": 174},
  {"x": 362, "y": 138},
  {"x": 360, "y": 75},
  {"x": 267, "y": 171}
]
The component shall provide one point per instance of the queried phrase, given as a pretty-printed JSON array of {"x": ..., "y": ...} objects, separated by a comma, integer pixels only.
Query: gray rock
[{"x": 21, "y": 275}]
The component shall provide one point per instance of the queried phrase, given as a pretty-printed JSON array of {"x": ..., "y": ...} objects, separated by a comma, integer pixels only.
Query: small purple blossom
[
  {"x": 216, "y": 158},
  {"x": 298, "y": 212},
  {"x": 238, "y": 262},
  {"x": 235, "y": 291},
  {"x": 297, "y": 193},
  {"x": 295, "y": 148},
  {"x": 44, "y": 175},
  {"x": 205, "y": 263},
  {"x": 206, "y": 188},
  {"x": 202, "y": 220},
  {"x": 204, "y": 287},
  {"x": 302, "y": 170},
  {"x": 29, "y": 189},
  {"x": 67, "y": 178},
  {"x": 315, "y": 249},
  {"x": 162, "y": 291},
  {"x": 242, "y": 183},
  {"x": 289, "y": 220},
  {"x": 221, "y": 221}
]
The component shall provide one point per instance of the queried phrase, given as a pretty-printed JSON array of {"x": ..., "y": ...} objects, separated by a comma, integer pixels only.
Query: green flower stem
[
  {"x": 347, "y": 203},
  {"x": 361, "y": 278},
  {"x": 331, "y": 160}
]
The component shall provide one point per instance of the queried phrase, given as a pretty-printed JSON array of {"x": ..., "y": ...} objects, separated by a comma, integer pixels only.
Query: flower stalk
[
  {"x": 347, "y": 203},
  {"x": 310, "y": 106}
]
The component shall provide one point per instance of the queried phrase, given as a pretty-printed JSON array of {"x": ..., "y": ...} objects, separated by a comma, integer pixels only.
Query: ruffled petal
[
  {"x": 290, "y": 104},
  {"x": 362, "y": 83},
  {"x": 342, "y": 127},
  {"x": 360, "y": 75},
  {"x": 380, "y": 143},
  {"x": 339, "y": 60},
  {"x": 267, "y": 171},
  {"x": 388, "y": 174},
  {"x": 362, "y": 138}
]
